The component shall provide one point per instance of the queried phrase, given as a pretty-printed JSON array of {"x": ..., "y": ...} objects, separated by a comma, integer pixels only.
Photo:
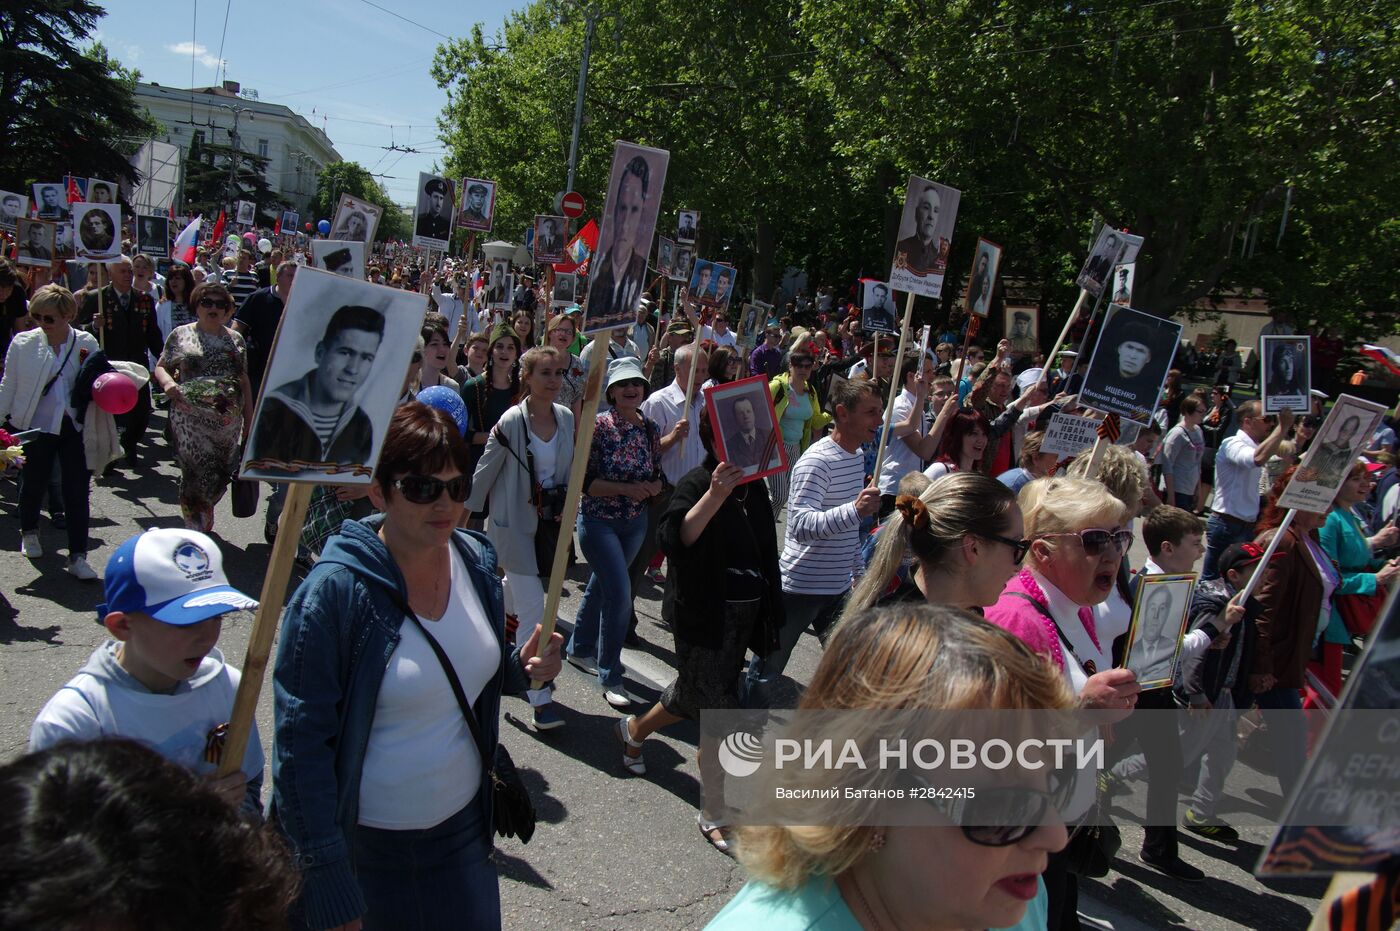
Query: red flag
[
  {"x": 580, "y": 249},
  {"x": 74, "y": 194},
  {"x": 218, "y": 234},
  {"x": 277, "y": 227}
]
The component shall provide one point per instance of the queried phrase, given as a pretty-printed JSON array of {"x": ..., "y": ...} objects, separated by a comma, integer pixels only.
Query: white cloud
[{"x": 200, "y": 52}]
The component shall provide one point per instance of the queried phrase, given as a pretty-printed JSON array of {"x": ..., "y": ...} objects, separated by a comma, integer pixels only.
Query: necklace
[{"x": 865, "y": 906}]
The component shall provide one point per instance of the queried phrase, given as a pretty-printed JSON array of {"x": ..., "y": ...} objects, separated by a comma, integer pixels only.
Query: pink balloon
[{"x": 114, "y": 392}]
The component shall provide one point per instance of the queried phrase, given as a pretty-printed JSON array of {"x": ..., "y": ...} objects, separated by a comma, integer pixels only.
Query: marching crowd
[{"x": 976, "y": 569}]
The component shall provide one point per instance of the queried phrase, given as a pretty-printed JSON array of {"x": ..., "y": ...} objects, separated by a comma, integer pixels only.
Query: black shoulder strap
[
  {"x": 1064, "y": 641},
  {"x": 528, "y": 463},
  {"x": 453, "y": 681}
]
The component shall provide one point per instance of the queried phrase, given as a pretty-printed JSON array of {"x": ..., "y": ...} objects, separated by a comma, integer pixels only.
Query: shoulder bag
[{"x": 548, "y": 502}]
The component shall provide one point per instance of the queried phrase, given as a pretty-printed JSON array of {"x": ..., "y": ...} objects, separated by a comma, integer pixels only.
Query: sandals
[
  {"x": 724, "y": 842},
  {"x": 633, "y": 764}
]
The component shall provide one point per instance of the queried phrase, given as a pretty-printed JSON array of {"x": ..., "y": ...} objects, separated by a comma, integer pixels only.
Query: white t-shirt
[
  {"x": 546, "y": 456},
  {"x": 900, "y": 460},
  {"x": 1237, "y": 478},
  {"x": 727, "y": 338},
  {"x": 421, "y": 765}
]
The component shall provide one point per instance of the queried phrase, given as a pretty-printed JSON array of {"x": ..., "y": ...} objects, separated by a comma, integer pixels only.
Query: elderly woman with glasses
[
  {"x": 1077, "y": 535},
  {"x": 203, "y": 370}
]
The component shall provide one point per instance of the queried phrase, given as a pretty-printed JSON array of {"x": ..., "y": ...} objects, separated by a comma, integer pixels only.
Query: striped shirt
[
  {"x": 240, "y": 285},
  {"x": 821, "y": 548}
]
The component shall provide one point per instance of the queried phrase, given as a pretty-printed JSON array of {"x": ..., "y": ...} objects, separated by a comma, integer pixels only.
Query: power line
[
  {"x": 406, "y": 19},
  {"x": 227, "y": 6}
]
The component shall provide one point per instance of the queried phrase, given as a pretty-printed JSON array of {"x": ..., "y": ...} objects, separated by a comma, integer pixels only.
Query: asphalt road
[{"x": 612, "y": 851}]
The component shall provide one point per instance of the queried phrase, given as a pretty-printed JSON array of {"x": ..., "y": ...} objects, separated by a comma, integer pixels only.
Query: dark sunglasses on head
[
  {"x": 1019, "y": 548},
  {"x": 424, "y": 489},
  {"x": 1096, "y": 541},
  {"x": 1000, "y": 816},
  {"x": 213, "y": 302}
]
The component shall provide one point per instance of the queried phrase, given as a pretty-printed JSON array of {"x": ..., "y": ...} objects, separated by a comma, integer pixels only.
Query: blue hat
[
  {"x": 175, "y": 576},
  {"x": 447, "y": 401}
]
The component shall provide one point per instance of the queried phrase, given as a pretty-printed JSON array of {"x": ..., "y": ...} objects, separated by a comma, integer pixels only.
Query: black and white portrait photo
[
  {"x": 687, "y": 225},
  {"x": 1159, "y": 621},
  {"x": 925, "y": 235},
  {"x": 680, "y": 268},
  {"x": 617, "y": 274},
  {"x": 498, "y": 291},
  {"x": 1285, "y": 373},
  {"x": 665, "y": 255},
  {"x": 335, "y": 375},
  {"x": 745, "y": 426},
  {"x": 1023, "y": 329},
  {"x": 1111, "y": 249},
  {"x": 549, "y": 238},
  {"x": 342, "y": 256},
  {"x": 564, "y": 285},
  {"x": 478, "y": 204},
  {"x": 101, "y": 192},
  {"x": 355, "y": 220},
  {"x": 1130, "y": 363},
  {"x": 99, "y": 228},
  {"x": 290, "y": 218},
  {"x": 1346, "y": 431},
  {"x": 433, "y": 224},
  {"x": 877, "y": 309},
  {"x": 12, "y": 207},
  {"x": 751, "y": 319},
  {"x": 1121, "y": 287},
  {"x": 247, "y": 213},
  {"x": 63, "y": 240},
  {"x": 50, "y": 202},
  {"x": 153, "y": 235},
  {"x": 985, "y": 263},
  {"x": 35, "y": 241}
]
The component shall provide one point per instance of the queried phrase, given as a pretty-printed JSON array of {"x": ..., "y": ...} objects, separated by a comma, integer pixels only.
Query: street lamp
[
  {"x": 592, "y": 14},
  {"x": 237, "y": 156}
]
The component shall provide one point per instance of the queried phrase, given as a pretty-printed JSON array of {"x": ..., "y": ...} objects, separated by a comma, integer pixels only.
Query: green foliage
[
  {"x": 354, "y": 179},
  {"x": 207, "y": 183}
]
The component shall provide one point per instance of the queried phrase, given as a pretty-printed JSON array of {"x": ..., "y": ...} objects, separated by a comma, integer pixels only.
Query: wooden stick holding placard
[
  {"x": 694, "y": 357},
  {"x": 1064, "y": 335},
  {"x": 1109, "y": 430},
  {"x": 895, "y": 386},
  {"x": 974, "y": 323},
  {"x": 274, "y": 589}
]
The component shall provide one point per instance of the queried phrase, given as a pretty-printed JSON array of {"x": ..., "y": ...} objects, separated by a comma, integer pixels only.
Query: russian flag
[
  {"x": 1384, "y": 356},
  {"x": 186, "y": 241}
]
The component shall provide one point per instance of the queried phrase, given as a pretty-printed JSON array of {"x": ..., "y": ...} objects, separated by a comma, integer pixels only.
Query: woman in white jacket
[
  {"x": 40, "y": 368},
  {"x": 524, "y": 470}
]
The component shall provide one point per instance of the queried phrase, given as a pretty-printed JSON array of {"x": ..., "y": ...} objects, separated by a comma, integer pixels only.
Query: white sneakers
[
  {"x": 78, "y": 567},
  {"x": 29, "y": 546}
]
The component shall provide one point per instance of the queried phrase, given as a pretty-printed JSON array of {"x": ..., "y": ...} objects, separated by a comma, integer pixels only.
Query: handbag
[
  {"x": 1359, "y": 612},
  {"x": 245, "y": 497},
  {"x": 549, "y": 507},
  {"x": 1091, "y": 849},
  {"x": 512, "y": 811}
]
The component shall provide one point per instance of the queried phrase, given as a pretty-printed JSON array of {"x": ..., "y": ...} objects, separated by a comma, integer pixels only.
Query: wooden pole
[
  {"x": 279, "y": 571},
  {"x": 102, "y": 326},
  {"x": 1258, "y": 575},
  {"x": 895, "y": 386},
  {"x": 694, "y": 365},
  {"x": 1064, "y": 335}
]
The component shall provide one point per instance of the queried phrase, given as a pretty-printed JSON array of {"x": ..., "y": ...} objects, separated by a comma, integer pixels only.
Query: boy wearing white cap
[{"x": 161, "y": 680}]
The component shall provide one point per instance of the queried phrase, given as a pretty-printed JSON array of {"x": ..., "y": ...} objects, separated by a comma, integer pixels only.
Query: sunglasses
[
  {"x": 801, "y": 365},
  {"x": 47, "y": 319},
  {"x": 424, "y": 489},
  {"x": 1096, "y": 541},
  {"x": 1004, "y": 815},
  {"x": 213, "y": 302},
  {"x": 1019, "y": 548}
]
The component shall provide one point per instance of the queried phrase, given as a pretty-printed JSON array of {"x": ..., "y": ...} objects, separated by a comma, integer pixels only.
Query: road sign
[{"x": 572, "y": 205}]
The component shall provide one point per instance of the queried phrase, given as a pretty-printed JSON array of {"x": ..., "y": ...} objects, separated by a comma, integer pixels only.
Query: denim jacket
[{"x": 338, "y": 633}]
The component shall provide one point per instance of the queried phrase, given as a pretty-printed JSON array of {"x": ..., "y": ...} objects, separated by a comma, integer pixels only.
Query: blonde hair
[
  {"x": 1065, "y": 505},
  {"x": 905, "y": 657},
  {"x": 54, "y": 296},
  {"x": 1121, "y": 471}
]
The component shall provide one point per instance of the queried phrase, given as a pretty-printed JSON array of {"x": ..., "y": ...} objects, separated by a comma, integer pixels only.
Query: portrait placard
[
  {"x": 1121, "y": 293},
  {"x": 290, "y": 218},
  {"x": 712, "y": 284},
  {"x": 50, "y": 201},
  {"x": 746, "y": 427},
  {"x": 1129, "y": 364},
  {"x": 101, "y": 192},
  {"x": 665, "y": 255},
  {"x": 1022, "y": 328},
  {"x": 342, "y": 256},
  {"x": 832, "y": 383},
  {"x": 617, "y": 273},
  {"x": 355, "y": 220},
  {"x": 437, "y": 201},
  {"x": 565, "y": 284},
  {"x": 1111, "y": 249},
  {"x": 99, "y": 230},
  {"x": 246, "y": 213},
  {"x": 12, "y": 207},
  {"x": 687, "y": 226},
  {"x": 680, "y": 268},
  {"x": 1069, "y": 435},
  {"x": 341, "y": 354},
  {"x": 751, "y": 321},
  {"x": 35, "y": 239},
  {"x": 63, "y": 247},
  {"x": 1160, "y": 613},
  {"x": 925, "y": 235},
  {"x": 985, "y": 264},
  {"x": 1285, "y": 373},
  {"x": 1329, "y": 459},
  {"x": 153, "y": 235},
  {"x": 478, "y": 205},
  {"x": 498, "y": 290},
  {"x": 877, "y": 311},
  {"x": 549, "y": 238}
]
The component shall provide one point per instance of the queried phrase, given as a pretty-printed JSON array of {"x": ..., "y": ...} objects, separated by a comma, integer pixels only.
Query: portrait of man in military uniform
[{"x": 434, "y": 224}]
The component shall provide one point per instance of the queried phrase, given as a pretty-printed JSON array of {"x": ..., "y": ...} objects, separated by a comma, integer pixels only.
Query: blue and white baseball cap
[{"x": 175, "y": 576}]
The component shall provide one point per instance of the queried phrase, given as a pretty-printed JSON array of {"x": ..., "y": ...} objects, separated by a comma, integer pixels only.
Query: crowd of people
[{"x": 974, "y": 569}]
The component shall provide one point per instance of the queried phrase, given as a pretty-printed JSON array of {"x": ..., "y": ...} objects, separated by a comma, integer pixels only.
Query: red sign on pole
[{"x": 572, "y": 205}]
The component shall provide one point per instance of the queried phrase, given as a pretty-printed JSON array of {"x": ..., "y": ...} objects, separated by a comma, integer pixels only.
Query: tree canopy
[{"x": 354, "y": 179}]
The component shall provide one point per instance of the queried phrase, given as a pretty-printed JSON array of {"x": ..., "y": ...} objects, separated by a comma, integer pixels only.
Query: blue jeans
[
  {"x": 1185, "y": 502},
  {"x": 1220, "y": 533},
  {"x": 601, "y": 624},
  {"x": 430, "y": 880}
]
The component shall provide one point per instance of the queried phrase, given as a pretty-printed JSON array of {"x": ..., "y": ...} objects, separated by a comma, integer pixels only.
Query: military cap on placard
[
  {"x": 477, "y": 189},
  {"x": 435, "y": 186}
]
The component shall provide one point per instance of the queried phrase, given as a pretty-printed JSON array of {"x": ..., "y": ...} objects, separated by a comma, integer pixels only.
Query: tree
[
  {"x": 207, "y": 183},
  {"x": 62, "y": 110},
  {"x": 354, "y": 179}
]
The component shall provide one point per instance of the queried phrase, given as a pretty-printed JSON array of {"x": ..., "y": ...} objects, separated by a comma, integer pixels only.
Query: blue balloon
[
  {"x": 324, "y": 227},
  {"x": 447, "y": 401}
]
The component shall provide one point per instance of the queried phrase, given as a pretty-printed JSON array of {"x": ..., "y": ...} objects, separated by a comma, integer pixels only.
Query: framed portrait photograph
[
  {"x": 711, "y": 283},
  {"x": 51, "y": 201},
  {"x": 1129, "y": 364},
  {"x": 1333, "y": 452},
  {"x": 290, "y": 219},
  {"x": 565, "y": 284},
  {"x": 986, "y": 262},
  {"x": 340, "y": 358},
  {"x": 1120, "y": 290},
  {"x": 497, "y": 285},
  {"x": 665, "y": 255},
  {"x": 1160, "y": 613},
  {"x": 1111, "y": 248},
  {"x": 925, "y": 235},
  {"x": 63, "y": 240},
  {"x": 12, "y": 207},
  {"x": 832, "y": 383},
  {"x": 687, "y": 226},
  {"x": 1022, "y": 328},
  {"x": 247, "y": 213},
  {"x": 549, "y": 238},
  {"x": 35, "y": 241},
  {"x": 342, "y": 256},
  {"x": 877, "y": 311},
  {"x": 478, "y": 205},
  {"x": 680, "y": 268},
  {"x": 617, "y": 272},
  {"x": 101, "y": 192},
  {"x": 752, "y": 321},
  {"x": 745, "y": 427},
  {"x": 432, "y": 226},
  {"x": 153, "y": 235},
  {"x": 99, "y": 229},
  {"x": 355, "y": 220},
  {"x": 1285, "y": 373}
]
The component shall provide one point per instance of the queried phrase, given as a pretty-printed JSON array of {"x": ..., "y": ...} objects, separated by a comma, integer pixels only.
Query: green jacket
[{"x": 811, "y": 430}]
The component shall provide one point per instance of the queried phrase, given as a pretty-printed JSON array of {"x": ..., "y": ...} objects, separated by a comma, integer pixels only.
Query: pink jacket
[{"x": 1014, "y": 614}]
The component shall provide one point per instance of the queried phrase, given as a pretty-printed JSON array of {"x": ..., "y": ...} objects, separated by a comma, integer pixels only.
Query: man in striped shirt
[
  {"x": 828, "y": 497},
  {"x": 242, "y": 282}
]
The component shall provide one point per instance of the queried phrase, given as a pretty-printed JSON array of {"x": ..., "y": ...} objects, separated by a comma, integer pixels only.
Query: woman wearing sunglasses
[
  {"x": 203, "y": 370},
  {"x": 1078, "y": 538},
  {"x": 524, "y": 471},
  {"x": 978, "y": 865},
  {"x": 800, "y": 417},
  {"x": 380, "y": 783}
]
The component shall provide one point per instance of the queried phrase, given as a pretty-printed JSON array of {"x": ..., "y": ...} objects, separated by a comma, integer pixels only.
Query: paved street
[{"x": 611, "y": 851}]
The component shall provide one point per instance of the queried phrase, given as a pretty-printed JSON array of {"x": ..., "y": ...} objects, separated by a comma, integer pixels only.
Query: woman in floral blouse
[
  {"x": 203, "y": 370},
  {"x": 623, "y": 474}
]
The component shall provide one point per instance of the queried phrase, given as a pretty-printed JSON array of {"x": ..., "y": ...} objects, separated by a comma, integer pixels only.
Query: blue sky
[{"x": 362, "y": 69}]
